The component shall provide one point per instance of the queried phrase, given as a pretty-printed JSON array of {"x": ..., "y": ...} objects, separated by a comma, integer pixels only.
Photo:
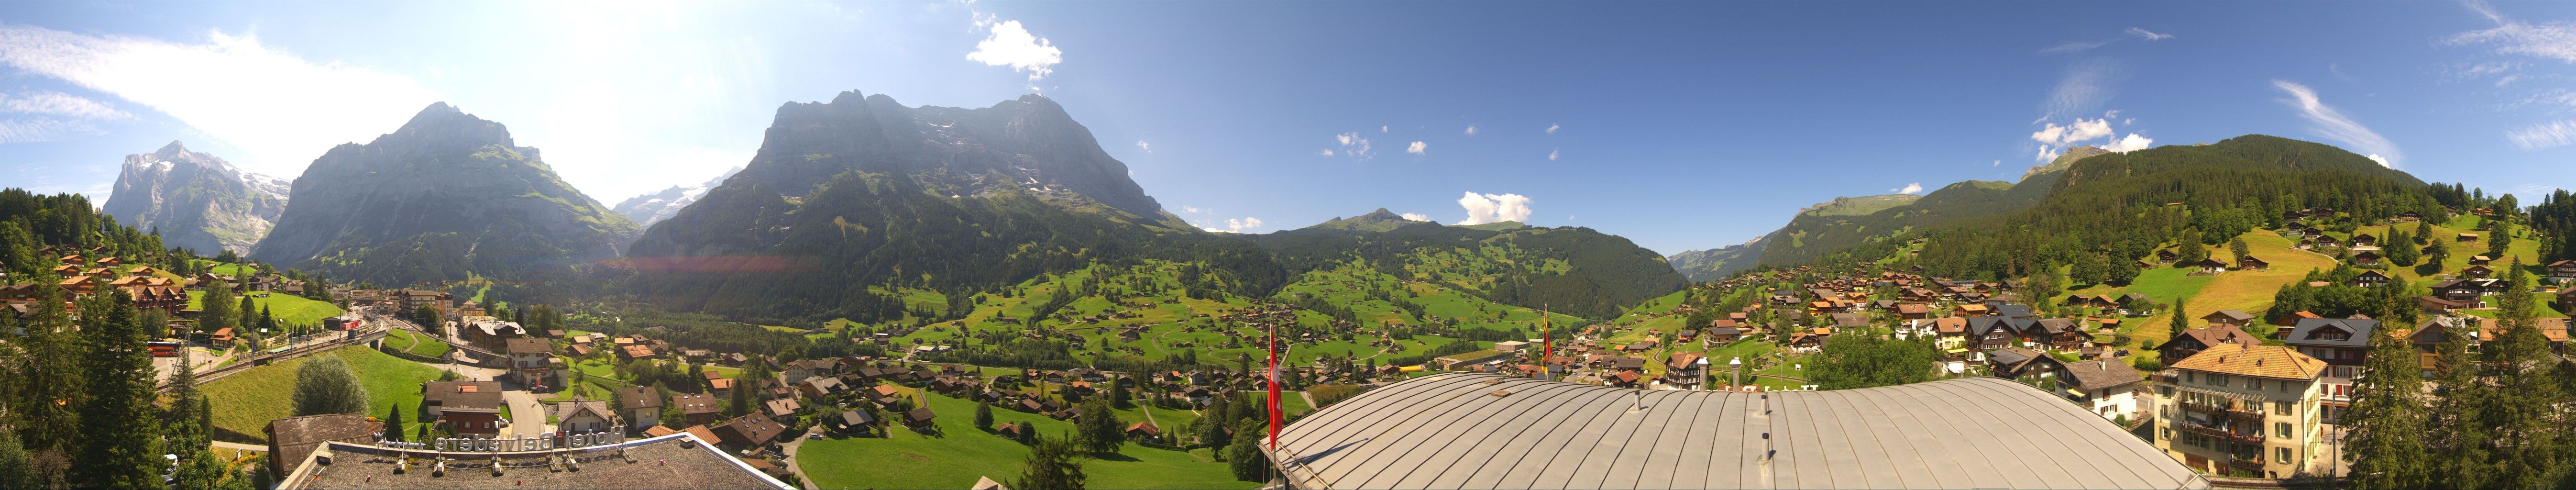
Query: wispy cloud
[
  {"x": 1416, "y": 148},
  {"x": 1417, "y": 217},
  {"x": 2148, "y": 35},
  {"x": 2332, "y": 123},
  {"x": 2544, "y": 135},
  {"x": 280, "y": 109},
  {"x": 1142, "y": 145},
  {"x": 1492, "y": 208},
  {"x": 2554, "y": 40},
  {"x": 1471, "y": 130},
  {"x": 38, "y": 130},
  {"x": 1551, "y": 154},
  {"x": 1551, "y": 128},
  {"x": 2076, "y": 46},
  {"x": 50, "y": 103},
  {"x": 2081, "y": 90},
  {"x": 1012, "y": 45}
]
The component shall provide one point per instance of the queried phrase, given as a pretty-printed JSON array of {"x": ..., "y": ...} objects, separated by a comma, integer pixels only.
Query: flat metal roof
[{"x": 1476, "y": 430}]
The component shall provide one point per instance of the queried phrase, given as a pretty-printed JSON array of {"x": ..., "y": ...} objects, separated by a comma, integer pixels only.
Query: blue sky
[{"x": 1679, "y": 125}]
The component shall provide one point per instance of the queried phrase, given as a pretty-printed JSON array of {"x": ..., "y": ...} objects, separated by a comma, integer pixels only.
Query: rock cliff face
[
  {"x": 647, "y": 209},
  {"x": 1028, "y": 144},
  {"x": 196, "y": 200},
  {"x": 446, "y": 194}
]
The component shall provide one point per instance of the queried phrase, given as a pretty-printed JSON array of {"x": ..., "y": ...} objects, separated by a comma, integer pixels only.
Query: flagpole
[
  {"x": 1547, "y": 344},
  {"x": 1275, "y": 416}
]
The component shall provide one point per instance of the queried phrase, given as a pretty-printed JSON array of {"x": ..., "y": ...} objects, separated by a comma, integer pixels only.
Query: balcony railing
[
  {"x": 2223, "y": 411},
  {"x": 2247, "y": 464},
  {"x": 2223, "y": 434}
]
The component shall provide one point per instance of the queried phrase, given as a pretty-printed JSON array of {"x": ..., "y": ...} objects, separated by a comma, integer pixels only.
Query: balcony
[
  {"x": 2253, "y": 464},
  {"x": 2223, "y": 434},
  {"x": 2228, "y": 411}
]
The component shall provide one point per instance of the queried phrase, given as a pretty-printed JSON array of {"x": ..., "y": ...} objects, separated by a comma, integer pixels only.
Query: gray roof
[
  {"x": 1452, "y": 430},
  {"x": 2358, "y": 328}
]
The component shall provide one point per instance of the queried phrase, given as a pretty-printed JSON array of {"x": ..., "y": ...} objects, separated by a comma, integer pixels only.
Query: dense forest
[{"x": 1604, "y": 273}]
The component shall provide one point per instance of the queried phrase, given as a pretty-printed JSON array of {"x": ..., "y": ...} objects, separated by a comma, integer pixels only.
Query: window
[
  {"x": 2282, "y": 454},
  {"x": 2281, "y": 408},
  {"x": 2281, "y": 430}
]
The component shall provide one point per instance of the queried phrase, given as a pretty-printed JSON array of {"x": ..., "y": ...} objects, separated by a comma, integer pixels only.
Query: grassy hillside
[
  {"x": 960, "y": 453},
  {"x": 245, "y": 402},
  {"x": 1854, "y": 206},
  {"x": 289, "y": 309}
]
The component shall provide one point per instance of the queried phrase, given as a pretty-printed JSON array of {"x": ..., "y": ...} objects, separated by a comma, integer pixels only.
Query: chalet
[
  {"x": 2252, "y": 263},
  {"x": 2367, "y": 279},
  {"x": 699, "y": 409},
  {"x": 2013, "y": 362},
  {"x": 750, "y": 431},
  {"x": 1969, "y": 310},
  {"x": 919, "y": 418},
  {"x": 2477, "y": 272},
  {"x": 2567, "y": 299},
  {"x": 1950, "y": 332},
  {"x": 2056, "y": 333},
  {"x": 1987, "y": 333},
  {"x": 1913, "y": 311},
  {"x": 866, "y": 419},
  {"x": 2438, "y": 306},
  {"x": 469, "y": 408},
  {"x": 2466, "y": 238},
  {"x": 2364, "y": 240},
  {"x": 2481, "y": 260},
  {"x": 2190, "y": 342},
  {"x": 643, "y": 405},
  {"x": 1686, "y": 370},
  {"x": 1144, "y": 431},
  {"x": 2229, "y": 318},
  {"x": 2135, "y": 304},
  {"x": 1850, "y": 320},
  {"x": 783, "y": 408},
  {"x": 2563, "y": 271},
  {"x": 2107, "y": 386},
  {"x": 1723, "y": 335},
  {"x": 78, "y": 285},
  {"x": 2410, "y": 216},
  {"x": 2166, "y": 256},
  {"x": 532, "y": 359},
  {"x": 583, "y": 416},
  {"x": 2366, "y": 257},
  {"x": 822, "y": 386},
  {"x": 2210, "y": 266}
]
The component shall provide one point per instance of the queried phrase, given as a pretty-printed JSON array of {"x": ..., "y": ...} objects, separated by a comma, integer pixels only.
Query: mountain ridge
[{"x": 196, "y": 200}]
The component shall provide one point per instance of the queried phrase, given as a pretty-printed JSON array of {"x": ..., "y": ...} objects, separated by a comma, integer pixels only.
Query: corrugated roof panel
[{"x": 1447, "y": 431}]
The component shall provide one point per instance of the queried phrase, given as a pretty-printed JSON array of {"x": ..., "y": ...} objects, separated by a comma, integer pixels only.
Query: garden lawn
[
  {"x": 911, "y": 460},
  {"x": 245, "y": 402}
]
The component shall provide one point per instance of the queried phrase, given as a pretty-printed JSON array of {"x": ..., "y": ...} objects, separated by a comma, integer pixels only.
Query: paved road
[
  {"x": 527, "y": 417},
  {"x": 789, "y": 449}
]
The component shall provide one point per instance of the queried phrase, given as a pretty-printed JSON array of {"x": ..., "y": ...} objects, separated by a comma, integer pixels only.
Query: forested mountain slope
[{"x": 1570, "y": 269}]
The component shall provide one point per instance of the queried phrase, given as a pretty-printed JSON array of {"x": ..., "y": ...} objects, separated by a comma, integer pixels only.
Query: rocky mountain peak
[
  {"x": 196, "y": 200},
  {"x": 1028, "y": 145}
]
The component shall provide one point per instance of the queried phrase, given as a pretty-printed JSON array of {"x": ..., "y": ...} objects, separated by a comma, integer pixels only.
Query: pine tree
[
  {"x": 2526, "y": 404},
  {"x": 2424, "y": 232},
  {"x": 2437, "y": 254},
  {"x": 2385, "y": 427},
  {"x": 1099, "y": 428},
  {"x": 984, "y": 415},
  {"x": 2457, "y": 426},
  {"x": 16, "y": 469},
  {"x": 2180, "y": 324},
  {"x": 120, "y": 442},
  {"x": 394, "y": 423},
  {"x": 1118, "y": 392},
  {"x": 1244, "y": 456}
]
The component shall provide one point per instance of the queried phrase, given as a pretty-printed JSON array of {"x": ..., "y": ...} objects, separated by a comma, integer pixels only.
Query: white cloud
[
  {"x": 1238, "y": 225},
  {"x": 1381, "y": 129},
  {"x": 2113, "y": 114},
  {"x": 2383, "y": 161},
  {"x": 1998, "y": 163},
  {"x": 1192, "y": 209},
  {"x": 2047, "y": 153},
  {"x": 1417, "y": 217},
  {"x": 1351, "y": 145},
  {"x": 1551, "y": 154},
  {"x": 1491, "y": 208},
  {"x": 2545, "y": 135},
  {"x": 2148, "y": 35},
  {"x": 1416, "y": 148},
  {"x": 2130, "y": 143},
  {"x": 2331, "y": 123},
  {"x": 2079, "y": 131},
  {"x": 279, "y": 109},
  {"x": 58, "y": 104},
  {"x": 1551, "y": 128},
  {"x": 1471, "y": 130},
  {"x": 1909, "y": 188},
  {"x": 1141, "y": 145},
  {"x": 1013, "y": 46}
]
